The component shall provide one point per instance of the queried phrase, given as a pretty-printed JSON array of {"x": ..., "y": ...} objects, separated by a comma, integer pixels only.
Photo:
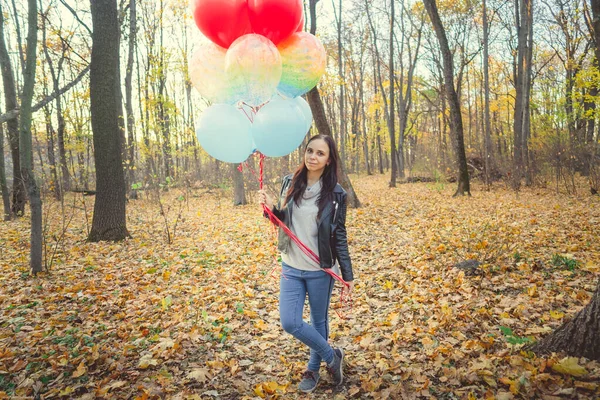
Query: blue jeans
[{"x": 294, "y": 286}]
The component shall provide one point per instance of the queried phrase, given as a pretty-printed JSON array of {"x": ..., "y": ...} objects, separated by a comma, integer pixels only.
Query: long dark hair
[{"x": 329, "y": 179}]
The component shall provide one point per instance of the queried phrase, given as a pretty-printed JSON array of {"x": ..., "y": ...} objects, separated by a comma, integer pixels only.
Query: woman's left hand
[{"x": 349, "y": 289}]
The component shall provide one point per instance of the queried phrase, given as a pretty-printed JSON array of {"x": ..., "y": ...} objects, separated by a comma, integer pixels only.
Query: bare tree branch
[
  {"x": 76, "y": 16},
  {"x": 15, "y": 113}
]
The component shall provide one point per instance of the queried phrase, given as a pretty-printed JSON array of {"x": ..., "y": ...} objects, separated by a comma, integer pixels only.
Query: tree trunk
[
  {"x": 342, "y": 99},
  {"x": 455, "y": 115},
  {"x": 380, "y": 152},
  {"x": 19, "y": 197},
  {"x": 364, "y": 122},
  {"x": 3, "y": 185},
  {"x": 109, "y": 222},
  {"x": 487, "y": 152},
  {"x": 596, "y": 29},
  {"x": 65, "y": 183},
  {"x": 318, "y": 111},
  {"x": 129, "y": 101},
  {"x": 392, "y": 117},
  {"x": 25, "y": 141},
  {"x": 50, "y": 132},
  {"x": 523, "y": 17},
  {"x": 579, "y": 337},
  {"x": 239, "y": 194},
  {"x": 163, "y": 114},
  {"x": 388, "y": 109}
]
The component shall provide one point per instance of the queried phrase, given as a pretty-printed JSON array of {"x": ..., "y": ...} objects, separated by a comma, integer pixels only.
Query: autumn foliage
[{"x": 198, "y": 318}]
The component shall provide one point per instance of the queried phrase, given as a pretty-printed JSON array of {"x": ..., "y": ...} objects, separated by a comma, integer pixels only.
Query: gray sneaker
[
  {"x": 309, "y": 381},
  {"x": 336, "y": 367}
]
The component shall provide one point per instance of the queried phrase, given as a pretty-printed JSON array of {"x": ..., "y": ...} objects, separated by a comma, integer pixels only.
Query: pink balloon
[{"x": 275, "y": 19}]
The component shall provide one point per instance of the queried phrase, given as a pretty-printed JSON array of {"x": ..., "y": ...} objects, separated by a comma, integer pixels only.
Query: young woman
[{"x": 313, "y": 205}]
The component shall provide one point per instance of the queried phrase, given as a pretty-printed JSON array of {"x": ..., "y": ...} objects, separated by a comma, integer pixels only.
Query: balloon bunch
[{"x": 255, "y": 65}]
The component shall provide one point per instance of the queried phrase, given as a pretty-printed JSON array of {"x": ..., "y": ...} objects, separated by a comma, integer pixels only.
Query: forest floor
[{"x": 198, "y": 318}]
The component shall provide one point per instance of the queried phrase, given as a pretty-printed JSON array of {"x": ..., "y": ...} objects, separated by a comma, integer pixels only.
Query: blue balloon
[
  {"x": 225, "y": 133},
  {"x": 279, "y": 128},
  {"x": 300, "y": 102}
]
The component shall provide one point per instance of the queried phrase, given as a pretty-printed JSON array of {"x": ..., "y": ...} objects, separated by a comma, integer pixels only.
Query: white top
[{"x": 304, "y": 225}]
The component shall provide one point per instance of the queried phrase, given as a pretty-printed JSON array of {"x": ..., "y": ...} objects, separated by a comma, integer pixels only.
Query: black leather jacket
[{"x": 332, "y": 238}]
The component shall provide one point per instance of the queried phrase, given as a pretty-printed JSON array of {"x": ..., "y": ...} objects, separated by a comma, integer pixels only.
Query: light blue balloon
[
  {"x": 225, "y": 133},
  {"x": 279, "y": 128},
  {"x": 300, "y": 102}
]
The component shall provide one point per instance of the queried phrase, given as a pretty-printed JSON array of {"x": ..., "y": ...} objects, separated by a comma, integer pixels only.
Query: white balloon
[
  {"x": 253, "y": 64},
  {"x": 207, "y": 73}
]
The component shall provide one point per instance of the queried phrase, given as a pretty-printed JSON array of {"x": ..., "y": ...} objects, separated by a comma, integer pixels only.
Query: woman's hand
[
  {"x": 265, "y": 199},
  {"x": 348, "y": 289}
]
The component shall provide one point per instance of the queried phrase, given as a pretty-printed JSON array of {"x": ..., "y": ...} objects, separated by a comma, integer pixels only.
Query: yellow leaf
[
  {"x": 166, "y": 275},
  {"x": 81, "y": 370},
  {"x": 260, "y": 324},
  {"x": 166, "y": 302},
  {"x": 513, "y": 384},
  {"x": 557, "y": 314},
  {"x": 258, "y": 390},
  {"x": 570, "y": 366},
  {"x": 532, "y": 291},
  {"x": 393, "y": 318},
  {"x": 388, "y": 285},
  {"x": 271, "y": 387},
  {"x": 66, "y": 391},
  {"x": 427, "y": 342},
  {"x": 441, "y": 248},
  {"x": 268, "y": 388},
  {"x": 147, "y": 361}
]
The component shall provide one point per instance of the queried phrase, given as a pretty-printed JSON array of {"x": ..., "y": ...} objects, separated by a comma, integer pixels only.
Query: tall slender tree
[
  {"x": 3, "y": 186},
  {"x": 456, "y": 125},
  {"x": 109, "y": 222},
  {"x": 386, "y": 107},
  {"x": 342, "y": 86},
  {"x": 25, "y": 140},
  {"x": 19, "y": 196},
  {"x": 487, "y": 152},
  {"x": 128, "y": 97},
  {"x": 522, "y": 79},
  {"x": 392, "y": 116}
]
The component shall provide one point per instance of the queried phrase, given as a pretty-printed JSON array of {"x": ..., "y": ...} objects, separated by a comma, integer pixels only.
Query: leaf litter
[{"x": 198, "y": 319}]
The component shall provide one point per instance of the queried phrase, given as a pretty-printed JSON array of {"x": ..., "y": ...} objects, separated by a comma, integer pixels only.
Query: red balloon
[
  {"x": 222, "y": 21},
  {"x": 275, "y": 19},
  {"x": 300, "y": 27}
]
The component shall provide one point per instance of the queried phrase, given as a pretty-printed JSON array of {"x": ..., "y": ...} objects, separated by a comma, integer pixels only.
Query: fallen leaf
[{"x": 569, "y": 366}]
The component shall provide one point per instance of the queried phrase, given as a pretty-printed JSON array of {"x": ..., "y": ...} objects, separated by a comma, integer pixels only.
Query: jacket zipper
[
  {"x": 333, "y": 222},
  {"x": 335, "y": 211}
]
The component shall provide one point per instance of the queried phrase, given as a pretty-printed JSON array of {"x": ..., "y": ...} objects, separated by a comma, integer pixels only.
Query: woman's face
[{"x": 316, "y": 156}]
